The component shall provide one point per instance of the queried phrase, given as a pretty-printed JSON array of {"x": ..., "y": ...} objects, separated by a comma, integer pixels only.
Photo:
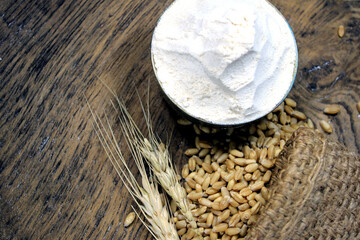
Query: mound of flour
[{"x": 224, "y": 61}]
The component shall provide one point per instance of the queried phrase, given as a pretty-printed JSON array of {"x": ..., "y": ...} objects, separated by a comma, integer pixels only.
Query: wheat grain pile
[{"x": 227, "y": 174}]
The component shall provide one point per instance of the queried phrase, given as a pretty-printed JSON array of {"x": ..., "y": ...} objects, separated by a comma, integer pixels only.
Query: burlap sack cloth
[{"x": 315, "y": 192}]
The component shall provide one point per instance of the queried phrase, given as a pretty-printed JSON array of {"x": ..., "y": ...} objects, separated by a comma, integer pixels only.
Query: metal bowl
[{"x": 176, "y": 106}]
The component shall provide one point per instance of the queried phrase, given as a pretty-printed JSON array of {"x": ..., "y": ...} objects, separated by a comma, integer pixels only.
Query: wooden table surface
[{"x": 55, "y": 180}]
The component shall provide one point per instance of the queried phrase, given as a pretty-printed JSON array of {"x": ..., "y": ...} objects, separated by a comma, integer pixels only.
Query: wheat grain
[
  {"x": 326, "y": 126},
  {"x": 341, "y": 31},
  {"x": 183, "y": 122},
  {"x": 129, "y": 219},
  {"x": 299, "y": 115},
  {"x": 290, "y": 102},
  {"x": 332, "y": 109},
  {"x": 191, "y": 151}
]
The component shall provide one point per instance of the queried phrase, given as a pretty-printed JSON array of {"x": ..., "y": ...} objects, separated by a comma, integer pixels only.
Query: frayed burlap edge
[{"x": 315, "y": 192}]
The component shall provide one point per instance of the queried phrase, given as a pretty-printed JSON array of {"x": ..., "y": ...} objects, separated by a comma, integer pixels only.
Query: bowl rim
[{"x": 206, "y": 122}]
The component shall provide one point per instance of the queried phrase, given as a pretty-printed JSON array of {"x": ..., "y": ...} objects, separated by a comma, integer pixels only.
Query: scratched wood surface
[{"x": 55, "y": 179}]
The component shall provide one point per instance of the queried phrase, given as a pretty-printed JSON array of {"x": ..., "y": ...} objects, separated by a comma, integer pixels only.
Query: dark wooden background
[{"x": 55, "y": 180}]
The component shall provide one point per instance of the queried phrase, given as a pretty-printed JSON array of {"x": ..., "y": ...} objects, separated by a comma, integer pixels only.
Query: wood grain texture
[{"x": 55, "y": 180}]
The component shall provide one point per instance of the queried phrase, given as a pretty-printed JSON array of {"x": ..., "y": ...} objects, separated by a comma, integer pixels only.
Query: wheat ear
[
  {"x": 146, "y": 196},
  {"x": 157, "y": 156}
]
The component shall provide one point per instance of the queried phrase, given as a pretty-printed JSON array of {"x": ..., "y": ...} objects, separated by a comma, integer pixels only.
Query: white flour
[{"x": 224, "y": 61}]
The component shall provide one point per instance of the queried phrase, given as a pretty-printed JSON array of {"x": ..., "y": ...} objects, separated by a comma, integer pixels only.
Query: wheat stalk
[
  {"x": 146, "y": 196},
  {"x": 157, "y": 156}
]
